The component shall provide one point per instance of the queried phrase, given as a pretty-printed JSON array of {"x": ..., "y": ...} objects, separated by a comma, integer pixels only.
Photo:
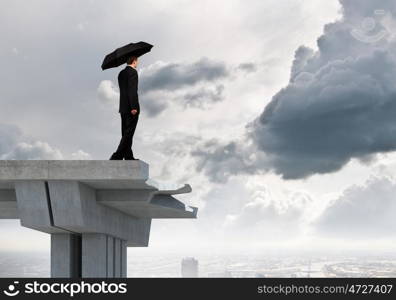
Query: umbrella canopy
[{"x": 120, "y": 55}]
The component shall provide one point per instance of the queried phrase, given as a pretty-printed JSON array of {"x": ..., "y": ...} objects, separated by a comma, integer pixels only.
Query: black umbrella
[{"x": 120, "y": 55}]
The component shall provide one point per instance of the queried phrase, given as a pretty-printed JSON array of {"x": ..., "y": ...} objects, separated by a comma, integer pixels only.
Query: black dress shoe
[
  {"x": 131, "y": 158},
  {"x": 115, "y": 157}
]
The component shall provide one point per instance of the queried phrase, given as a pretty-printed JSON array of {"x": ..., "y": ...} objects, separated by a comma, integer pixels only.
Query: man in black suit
[{"x": 129, "y": 109}]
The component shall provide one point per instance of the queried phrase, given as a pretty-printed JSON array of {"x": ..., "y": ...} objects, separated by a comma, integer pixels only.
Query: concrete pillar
[
  {"x": 65, "y": 255},
  {"x": 110, "y": 255},
  {"x": 123, "y": 259},
  {"x": 103, "y": 256},
  {"x": 87, "y": 255}
]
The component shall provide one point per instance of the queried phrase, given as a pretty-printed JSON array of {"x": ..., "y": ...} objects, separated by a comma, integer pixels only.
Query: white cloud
[
  {"x": 36, "y": 150},
  {"x": 108, "y": 92},
  {"x": 81, "y": 155},
  {"x": 271, "y": 213},
  {"x": 16, "y": 145},
  {"x": 365, "y": 211},
  {"x": 82, "y": 25}
]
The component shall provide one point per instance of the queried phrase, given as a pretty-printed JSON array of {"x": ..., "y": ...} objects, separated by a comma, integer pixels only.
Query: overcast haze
[{"x": 280, "y": 114}]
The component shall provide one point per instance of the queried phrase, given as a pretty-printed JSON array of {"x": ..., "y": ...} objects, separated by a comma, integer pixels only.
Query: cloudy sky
[{"x": 280, "y": 114}]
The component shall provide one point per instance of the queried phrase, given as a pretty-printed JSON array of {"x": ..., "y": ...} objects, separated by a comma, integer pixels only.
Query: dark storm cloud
[
  {"x": 187, "y": 84},
  {"x": 219, "y": 160},
  {"x": 177, "y": 75},
  {"x": 202, "y": 96},
  {"x": 323, "y": 119},
  {"x": 153, "y": 106},
  {"x": 247, "y": 67},
  {"x": 340, "y": 102}
]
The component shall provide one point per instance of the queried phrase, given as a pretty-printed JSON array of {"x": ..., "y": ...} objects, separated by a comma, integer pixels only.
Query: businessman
[{"x": 129, "y": 109}]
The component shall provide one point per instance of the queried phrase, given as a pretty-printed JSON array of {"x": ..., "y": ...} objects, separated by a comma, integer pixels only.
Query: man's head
[{"x": 132, "y": 61}]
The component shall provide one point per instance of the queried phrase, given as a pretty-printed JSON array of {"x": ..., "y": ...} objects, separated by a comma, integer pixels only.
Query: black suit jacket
[{"x": 128, "y": 84}]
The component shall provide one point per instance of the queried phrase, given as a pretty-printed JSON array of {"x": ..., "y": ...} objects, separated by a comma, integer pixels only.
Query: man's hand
[{"x": 134, "y": 111}]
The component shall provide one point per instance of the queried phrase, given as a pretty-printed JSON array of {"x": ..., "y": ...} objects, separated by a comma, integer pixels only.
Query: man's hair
[{"x": 131, "y": 59}]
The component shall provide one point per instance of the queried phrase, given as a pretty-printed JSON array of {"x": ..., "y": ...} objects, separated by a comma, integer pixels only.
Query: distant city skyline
[{"x": 168, "y": 265}]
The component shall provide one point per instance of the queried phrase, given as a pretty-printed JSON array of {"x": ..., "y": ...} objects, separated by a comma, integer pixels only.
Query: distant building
[{"x": 189, "y": 267}]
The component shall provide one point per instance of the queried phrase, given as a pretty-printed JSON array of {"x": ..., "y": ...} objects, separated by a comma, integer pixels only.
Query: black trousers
[{"x": 128, "y": 126}]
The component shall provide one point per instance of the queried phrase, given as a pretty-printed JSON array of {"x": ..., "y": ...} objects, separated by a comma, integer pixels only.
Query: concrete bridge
[{"x": 93, "y": 209}]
